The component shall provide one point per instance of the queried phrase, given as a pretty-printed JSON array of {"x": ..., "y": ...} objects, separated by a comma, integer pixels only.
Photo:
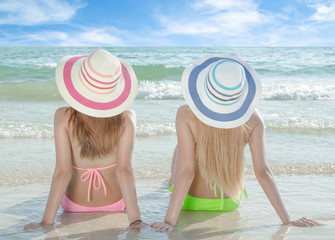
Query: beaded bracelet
[{"x": 135, "y": 222}]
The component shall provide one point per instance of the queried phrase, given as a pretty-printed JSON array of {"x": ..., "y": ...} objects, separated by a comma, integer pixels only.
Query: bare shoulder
[
  {"x": 129, "y": 118},
  {"x": 184, "y": 113},
  {"x": 184, "y": 109},
  {"x": 62, "y": 116},
  {"x": 61, "y": 110},
  {"x": 256, "y": 120}
]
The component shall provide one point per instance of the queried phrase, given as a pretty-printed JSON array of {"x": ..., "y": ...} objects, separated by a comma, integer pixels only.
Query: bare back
[
  {"x": 77, "y": 190},
  {"x": 199, "y": 188}
]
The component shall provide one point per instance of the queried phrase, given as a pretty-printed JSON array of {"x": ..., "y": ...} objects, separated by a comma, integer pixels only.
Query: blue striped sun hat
[{"x": 221, "y": 90}]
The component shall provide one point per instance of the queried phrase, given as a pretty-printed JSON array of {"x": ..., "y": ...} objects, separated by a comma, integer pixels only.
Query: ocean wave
[
  {"x": 40, "y": 131},
  {"x": 299, "y": 92},
  {"x": 27, "y": 131},
  {"x": 301, "y": 126},
  {"x": 298, "y": 169},
  {"x": 164, "y": 90},
  {"x": 152, "y": 129},
  {"x": 172, "y": 90},
  {"x": 48, "y": 65},
  {"x": 296, "y": 71},
  {"x": 159, "y": 90}
]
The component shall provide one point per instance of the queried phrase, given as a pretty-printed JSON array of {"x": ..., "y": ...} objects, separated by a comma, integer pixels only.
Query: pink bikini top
[{"x": 93, "y": 175}]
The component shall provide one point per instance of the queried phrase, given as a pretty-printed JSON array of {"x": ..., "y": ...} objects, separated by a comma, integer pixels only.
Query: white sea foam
[
  {"x": 299, "y": 92},
  {"x": 299, "y": 169},
  {"x": 41, "y": 131},
  {"x": 301, "y": 125},
  {"x": 159, "y": 90},
  {"x": 168, "y": 89},
  {"x": 151, "y": 129},
  {"x": 26, "y": 131},
  {"x": 172, "y": 90},
  {"x": 46, "y": 131},
  {"x": 51, "y": 65}
]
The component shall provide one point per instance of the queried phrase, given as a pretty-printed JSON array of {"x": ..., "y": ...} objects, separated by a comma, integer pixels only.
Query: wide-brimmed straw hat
[
  {"x": 98, "y": 84},
  {"x": 221, "y": 90}
]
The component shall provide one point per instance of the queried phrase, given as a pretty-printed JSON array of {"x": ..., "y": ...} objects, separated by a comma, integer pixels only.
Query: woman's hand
[
  {"x": 162, "y": 226},
  {"x": 137, "y": 226},
  {"x": 305, "y": 222},
  {"x": 36, "y": 225}
]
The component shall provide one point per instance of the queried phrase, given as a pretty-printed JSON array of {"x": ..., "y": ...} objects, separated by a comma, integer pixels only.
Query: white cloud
[
  {"x": 47, "y": 37},
  {"x": 231, "y": 5},
  {"x": 98, "y": 36},
  {"x": 172, "y": 26},
  {"x": 233, "y": 23},
  {"x": 87, "y": 37},
  {"x": 227, "y": 18},
  {"x": 33, "y": 12},
  {"x": 307, "y": 28},
  {"x": 324, "y": 13}
]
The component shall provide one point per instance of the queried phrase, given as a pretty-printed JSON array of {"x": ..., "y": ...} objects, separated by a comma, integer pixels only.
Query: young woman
[
  {"x": 218, "y": 121},
  {"x": 94, "y": 138}
]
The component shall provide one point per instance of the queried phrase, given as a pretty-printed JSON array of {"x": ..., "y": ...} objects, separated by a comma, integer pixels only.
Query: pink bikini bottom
[{"x": 70, "y": 206}]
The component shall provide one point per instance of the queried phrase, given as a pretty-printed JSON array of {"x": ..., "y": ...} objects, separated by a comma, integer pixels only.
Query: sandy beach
[{"x": 254, "y": 219}]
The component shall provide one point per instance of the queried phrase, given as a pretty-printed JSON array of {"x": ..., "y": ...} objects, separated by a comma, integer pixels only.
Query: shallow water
[
  {"x": 254, "y": 219},
  {"x": 304, "y": 195}
]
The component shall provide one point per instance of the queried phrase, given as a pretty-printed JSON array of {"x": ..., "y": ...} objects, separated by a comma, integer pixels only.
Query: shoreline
[{"x": 255, "y": 217}]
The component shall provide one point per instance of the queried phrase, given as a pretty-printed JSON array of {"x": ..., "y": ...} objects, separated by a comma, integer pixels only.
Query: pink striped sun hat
[{"x": 98, "y": 84}]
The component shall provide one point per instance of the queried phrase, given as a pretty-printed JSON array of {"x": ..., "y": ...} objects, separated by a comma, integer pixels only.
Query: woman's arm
[
  {"x": 125, "y": 174},
  {"x": 184, "y": 170},
  {"x": 63, "y": 170},
  {"x": 265, "y": 176}
]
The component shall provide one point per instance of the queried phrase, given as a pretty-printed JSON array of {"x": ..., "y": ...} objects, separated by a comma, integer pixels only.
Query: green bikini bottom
[{"x": 204, "y": 204}]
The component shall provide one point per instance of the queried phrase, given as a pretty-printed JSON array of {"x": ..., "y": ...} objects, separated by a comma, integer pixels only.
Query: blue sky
[{"x": 167, "y": 23}]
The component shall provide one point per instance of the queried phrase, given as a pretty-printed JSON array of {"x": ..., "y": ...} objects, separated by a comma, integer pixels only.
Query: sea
[{"x": 297, "y": 104}]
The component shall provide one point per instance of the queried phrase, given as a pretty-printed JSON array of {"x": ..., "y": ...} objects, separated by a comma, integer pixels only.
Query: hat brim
[
  {"x": 216, "y": 115},
  {"x": 67, "y": 75}
]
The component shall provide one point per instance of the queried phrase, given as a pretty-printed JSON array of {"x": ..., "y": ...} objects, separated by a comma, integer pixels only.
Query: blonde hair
[
  {"x": 96, "y": 136},
  {"x": 220, "y": 153}
]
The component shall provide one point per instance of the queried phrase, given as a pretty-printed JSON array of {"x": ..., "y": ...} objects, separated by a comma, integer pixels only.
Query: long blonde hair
[
  {"x": 220, "y": 153},
  {"x": 96, "y": 136}
]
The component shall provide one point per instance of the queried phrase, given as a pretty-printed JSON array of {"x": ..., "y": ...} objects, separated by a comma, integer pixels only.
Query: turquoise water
[
  {"x": 297, "y": 102},
  {"x": 298, "y": 106}
]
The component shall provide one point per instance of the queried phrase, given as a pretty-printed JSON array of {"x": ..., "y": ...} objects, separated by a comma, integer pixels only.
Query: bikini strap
[
  {"x": 102, "y": 168},
  {"x": 93, "y": 175},
  {"x": 245, "y": 193},
  {"x": 221, "y": 199},
  {"x": 171, "y": 188},
  {"x": 213, "y": 188}
]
